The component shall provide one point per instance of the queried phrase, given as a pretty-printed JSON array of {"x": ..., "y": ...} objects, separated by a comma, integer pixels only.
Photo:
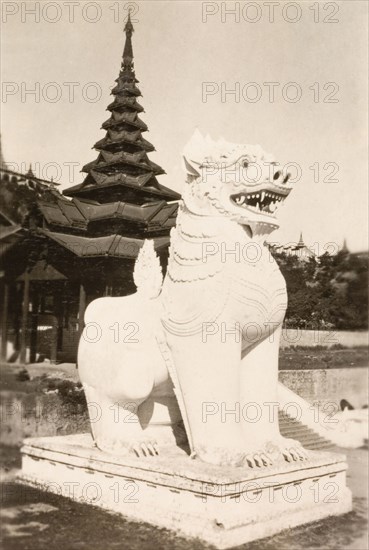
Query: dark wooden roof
[
  {"x": 80, "y": 214},
  {"x": 142, "y": 186},
  {"x": 42, "y": 271},
  {"x": 5, "y": 220},
  {"x": 115, "y": 246},
  {"x": 9, "y": 236},
  {"x": 107, "y": 160},
  {"x": 115, "y": 138},
  {"x": 117, "y": 119}
]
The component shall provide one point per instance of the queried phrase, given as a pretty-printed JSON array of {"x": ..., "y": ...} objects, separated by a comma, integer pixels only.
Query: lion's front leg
[
  {"x": 258, "y": 392},
  {"x": 208, "y": 374}
]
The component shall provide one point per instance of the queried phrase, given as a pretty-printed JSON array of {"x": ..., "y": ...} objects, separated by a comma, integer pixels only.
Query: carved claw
[
  {"x": 145, "y": 450},
  {"x": 251, "y": 461},
  {"x": 257, "y": 460},
  {"x": 153, "y": 449},
  {"x": 137, "y": 450},
  {"x": 300, "y": 451},
  {"x": 266, "y": 459},
  {"x": 294, "y": 454},
  {"x": 287, "y": 455}
]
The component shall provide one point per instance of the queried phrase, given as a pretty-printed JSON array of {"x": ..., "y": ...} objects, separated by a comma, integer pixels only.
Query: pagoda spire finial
[
  {"x": 128, "y": 50},
  {"x": 301, "y": 241},
  {"x": 344, "y": 247},
  {"x": 30, "y": 171},
  {"x": 128, "y": 28}
]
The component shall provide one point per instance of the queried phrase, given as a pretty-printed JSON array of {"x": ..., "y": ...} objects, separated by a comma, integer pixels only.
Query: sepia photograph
[{"x": 184, "y": 246}]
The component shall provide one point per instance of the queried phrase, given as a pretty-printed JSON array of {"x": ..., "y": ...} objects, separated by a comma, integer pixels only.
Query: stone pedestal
[{"x": 222, "y": 506}]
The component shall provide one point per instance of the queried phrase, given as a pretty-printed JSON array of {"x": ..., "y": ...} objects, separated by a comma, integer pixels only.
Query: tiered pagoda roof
[
  {"x": 122, "y": 170},
  {"x": 84, "y": 217}
]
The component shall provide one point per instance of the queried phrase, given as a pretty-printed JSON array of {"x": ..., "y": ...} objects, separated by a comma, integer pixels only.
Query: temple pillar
[
  {"x": 33, "y": 339},
  {"x": 81, "y": 309},
  {"x": 24, "y": 325},
  {"x": 108, "y": 291},
  {"x": 34, "y": 326},
  {"x": 4, "y": 322},
  {"x": 54, "y": 340}
]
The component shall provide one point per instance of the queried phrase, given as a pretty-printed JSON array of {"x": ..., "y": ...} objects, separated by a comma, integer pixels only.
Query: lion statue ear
[
  {"x": 190, "y": 169},
  {"x": 194, "y": 153}
]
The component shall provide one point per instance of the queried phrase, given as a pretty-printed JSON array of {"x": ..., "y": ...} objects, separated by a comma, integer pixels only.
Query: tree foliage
[
  {"x": 330, "y": 292},
  {"x": 19, "y": 199}
]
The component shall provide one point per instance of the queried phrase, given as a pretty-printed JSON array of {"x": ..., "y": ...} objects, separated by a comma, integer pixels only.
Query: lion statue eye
[{"x": 245, "y": 163}]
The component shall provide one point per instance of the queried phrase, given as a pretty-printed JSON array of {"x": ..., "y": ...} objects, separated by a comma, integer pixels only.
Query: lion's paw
[
  {"x": 276, "y": 451},
  {"x": 295, "y": 453},
  {"x": 258, "y": 460},
  {"x": 144, "y": 448},
  {"x": 288, "y": 449}
]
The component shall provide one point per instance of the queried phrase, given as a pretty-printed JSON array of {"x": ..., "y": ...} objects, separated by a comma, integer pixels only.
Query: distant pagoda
[{"x": 122, "y": 171}]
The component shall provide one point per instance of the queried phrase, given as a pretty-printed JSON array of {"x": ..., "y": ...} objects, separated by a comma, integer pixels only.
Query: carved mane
[{"x": 147, "y": 273}]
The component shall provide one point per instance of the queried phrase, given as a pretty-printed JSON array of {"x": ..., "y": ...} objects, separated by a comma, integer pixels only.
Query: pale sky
[{"x": 179, "y": 46}]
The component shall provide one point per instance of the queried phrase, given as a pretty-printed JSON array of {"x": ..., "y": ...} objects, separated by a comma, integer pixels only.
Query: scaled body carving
[{"x": 213, "y": 325}]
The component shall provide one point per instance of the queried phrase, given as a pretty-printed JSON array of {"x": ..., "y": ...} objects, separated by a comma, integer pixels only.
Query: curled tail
[{"x": 147, "y": 273}]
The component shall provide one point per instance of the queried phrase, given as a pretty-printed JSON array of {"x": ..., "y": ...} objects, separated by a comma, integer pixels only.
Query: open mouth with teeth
[{"x": 266, "y": 202}]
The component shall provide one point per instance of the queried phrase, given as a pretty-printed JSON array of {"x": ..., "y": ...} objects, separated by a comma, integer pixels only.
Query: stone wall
[
  {"x": 30, "y": 415},
  {"x": 326, "y": 386}
]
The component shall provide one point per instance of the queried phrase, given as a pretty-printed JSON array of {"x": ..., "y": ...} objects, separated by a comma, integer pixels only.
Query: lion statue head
[{"x": 241, "y": 182}]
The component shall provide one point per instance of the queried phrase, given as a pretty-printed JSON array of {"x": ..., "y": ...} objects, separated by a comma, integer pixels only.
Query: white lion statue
[{"x": 210, "y": 331}]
